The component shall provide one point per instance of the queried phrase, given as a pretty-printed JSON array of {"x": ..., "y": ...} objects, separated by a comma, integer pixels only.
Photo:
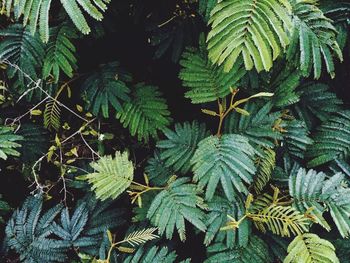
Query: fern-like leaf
[
  {"x": 157, "y": 171},
  {"x": 296, "y": 138},
  {"x": 36, "y": 13},
  {"x": 180, "y": 201},
  {"x": 112, "y": 176},
  {"x": 206, "y": 82},
  {"x": 218, "y": 209},
  {"x": 151, "y": 254},
  {"x": 146, "y": 113},
  {"x": 24, "y": 50},
  {"x": 52, "y": 115},
  {"x": 265, "y": 164},
  {"x": 253, "y": 29},
  {"x": 316, "y": 101},
  {"x": 180, "y": 145},
  {"x": 281, "y": 220},
  {"x": 226, "y": 159},
  {"x": 331, "y": 141},
  {"x": 312, "y": 190},
  {"x": 35, "y": 143},
  {"x": 107, "y": 86},
  {"x": 28, "y": 233},
  {"x": 60, "y": 52},
  {"x": 141, "y": 236},
  {"x": 9, "y": 142},
  {"x": 314, "y": 37},
  {"x": 257, "y": 126},
  {"x": 256, "y": 251},
  {"x": 310, "y": 248}
]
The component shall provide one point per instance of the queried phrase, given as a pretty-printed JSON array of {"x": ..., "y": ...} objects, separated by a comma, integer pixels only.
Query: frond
[
  {"x": 316, "y": 101},
  {"x": 181, "y": 144},
  {"x": 180, "y": 201},
  {"x": 27, "y": 233},
  {"x": 60, "y": 52},
  {"x": 312, "y": 190},
  {"x": 36, "y": 13},
  {"x": 24, "y": 50},
  {"x": 226, "y": 159},
  {"x": 218, "y": 209},
  {"x": 141, "y": 236},
  {"x": 310, "y": 248},
  {"x": 206, "y": 82},
  {"x": 152, "y": 254},
  {"x": 331, "y": 140},
  {"x": 281, "y": 220},
  {"x": 250, "y": 30},
  {"x": 146, "y": 113},
  {"x": 265, "y": 165},
  {"x": 205, "y": 7},
  {"x": 257, "y": 126},
  {"x": 313, "y": 40},
  {"x": 35, "y": 143},
  {"x": 296, "y": 138},
  {"x": 283, "y": 81},
  {"x": 172, "y": 36},
  {"x": 112, "y": 176},
  {"x": 106, "y": 87},
  {"x": 157, "y": 171},
  {"x": 85, "y": 227},
  {"x": 256, "y": 251},
  {"x": 52, "y": 115},
  {"x": 9, "y": 142}
]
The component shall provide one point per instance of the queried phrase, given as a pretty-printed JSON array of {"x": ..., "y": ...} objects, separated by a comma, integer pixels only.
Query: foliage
[
  {"x": 9, "y": 142},
  {"x": 112, "y": 176},
  {"x": 177, "y": 130},
  {"x": 256, "y": 250},
  {"x": 330, "y": 140},
  {"x": 180, "y": 145},
  {"x": 24, "y": 50},
  {"x": 36, "y": 13},
  {"x": 206, "y": 81},
  {"x": 311, "y": 190},
  {"x": 310, "y": 248},
  {"x": 60, "y": 52},
  {"x": 314, "y": 38},
  {"x": 227, "y": 159},
  {"x": 179, "y": 201},
  {"x": 106, "y": 87},
  {"x": 257, "y": 126},
  {"x": 28, "y": 233},
  {"x": 146, "y": 113},
  {"x": 253, "y": 29}
]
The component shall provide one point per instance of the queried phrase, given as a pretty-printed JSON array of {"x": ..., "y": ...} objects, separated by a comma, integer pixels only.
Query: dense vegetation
[{"x": 174, "y": 131}]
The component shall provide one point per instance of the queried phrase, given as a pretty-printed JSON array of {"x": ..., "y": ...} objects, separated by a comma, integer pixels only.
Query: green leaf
[
  {"x": 257, "y": 126},
  {"x": 313, "y": 39},
  {"x": 180, "y": 145},
  {"x": 312, "y": 190},
  {"x": 60, "y": 52},
  {"x": 206, "y": 82},
  {"x": 38, "y": 13},
  {"x": 331, "y": 140},
  {"x": 309, "y": 248},
  {"x": 254, "y": 30},
  {"x": 9, "y": 142},
  {"x": 256, "y": 251},
  {"x": 112, "y": 176},
  {"x": 226, "y": 159},
  {"x": 106, "y": 87},
  {"x": 180, "y": 201},
  {"x": 146, "y": 113}
]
